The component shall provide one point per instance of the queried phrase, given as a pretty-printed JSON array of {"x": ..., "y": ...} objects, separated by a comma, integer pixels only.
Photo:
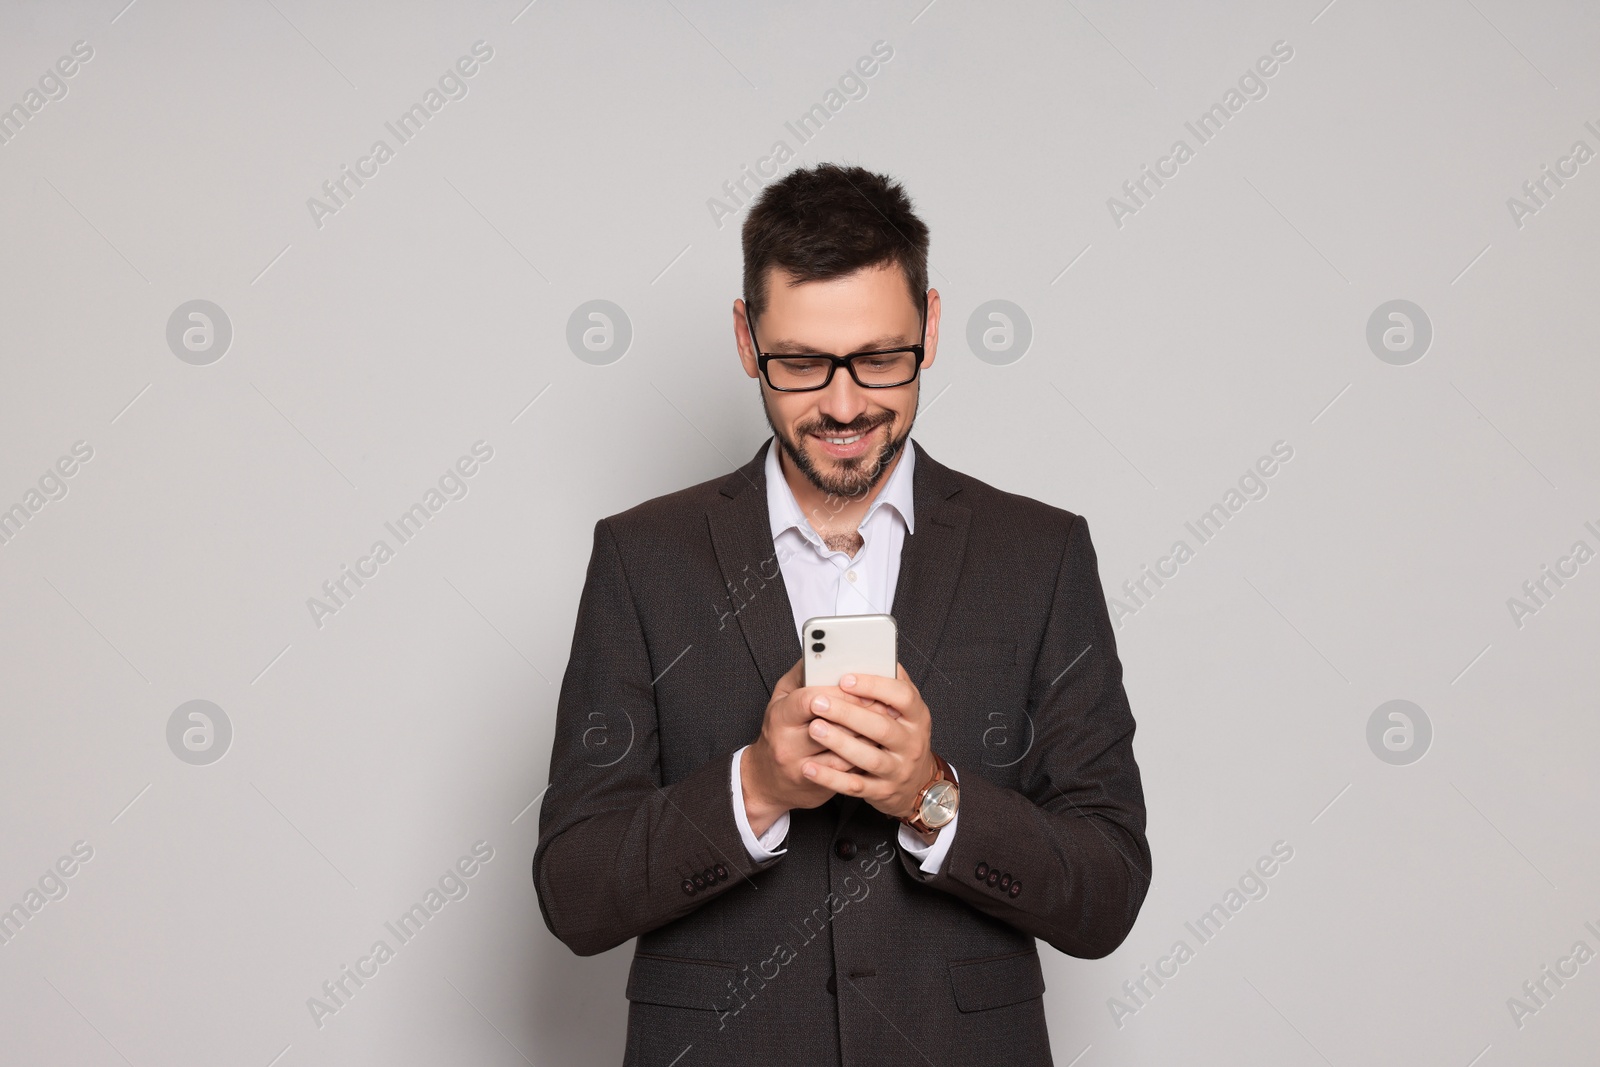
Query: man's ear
[
  {"x": 930, "y": 345},
  {"x": 742, "y": 339}
]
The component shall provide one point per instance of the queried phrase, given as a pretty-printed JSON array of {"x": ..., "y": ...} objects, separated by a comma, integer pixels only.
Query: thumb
[{"x": 791, "y": 681}]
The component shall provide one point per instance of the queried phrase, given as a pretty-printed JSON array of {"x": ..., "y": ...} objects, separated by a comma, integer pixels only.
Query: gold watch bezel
[{"x": 940, "y": 777}]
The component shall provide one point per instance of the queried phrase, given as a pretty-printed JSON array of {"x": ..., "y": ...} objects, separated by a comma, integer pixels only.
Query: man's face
[{"x": 842, "y": 437}]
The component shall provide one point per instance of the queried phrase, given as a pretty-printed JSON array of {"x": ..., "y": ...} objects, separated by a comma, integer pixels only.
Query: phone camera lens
[
  {"x": 816, "y": 635},
  {"x": 817, "y": 647}
]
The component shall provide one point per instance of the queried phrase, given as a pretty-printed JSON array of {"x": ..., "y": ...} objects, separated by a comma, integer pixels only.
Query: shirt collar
[{"x": 783, "y": 510}]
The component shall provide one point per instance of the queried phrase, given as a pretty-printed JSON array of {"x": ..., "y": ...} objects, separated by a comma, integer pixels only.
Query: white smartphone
[{"x": 836, "y": 645}]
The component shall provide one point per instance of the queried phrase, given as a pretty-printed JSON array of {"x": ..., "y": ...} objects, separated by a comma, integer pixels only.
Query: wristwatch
[{"x": 936, "y": 802}]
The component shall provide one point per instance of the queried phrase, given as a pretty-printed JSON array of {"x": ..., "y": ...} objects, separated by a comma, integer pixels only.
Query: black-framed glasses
[{"x": 885, "y": 368}]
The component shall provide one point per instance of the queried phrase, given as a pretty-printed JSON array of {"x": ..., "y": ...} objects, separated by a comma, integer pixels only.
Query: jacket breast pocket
[
  {"x": 680, "y": 983},
  {"x": 996, "y": 981},
  {"x": 979, "y": 655}
]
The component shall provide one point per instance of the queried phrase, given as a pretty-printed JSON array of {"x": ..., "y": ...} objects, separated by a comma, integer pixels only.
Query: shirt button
[{"x": 850, "y": 575}]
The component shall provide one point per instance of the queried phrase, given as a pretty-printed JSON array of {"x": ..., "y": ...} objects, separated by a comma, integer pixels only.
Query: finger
[
  {"x": 898, "y": 693},
  {"x": 833, "y": 692},
  {"x": 850, "y": 785},
  {"x": 871, "y": 705},
  {"x": 860, "y": 752},
  {"x": 864, "y": 721},
  {"x": 812, "y": 747},
  {"x": 789, "y": 682},
  {"x": 900, "y": 673},
  {"x": 805, "y": 703},
  {"x": 832, "y": 759}
]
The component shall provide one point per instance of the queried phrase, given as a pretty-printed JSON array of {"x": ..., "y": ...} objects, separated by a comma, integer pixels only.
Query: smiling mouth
[
  {"x": 840, "y": 439},
  {"x": 848, "y": 447}
]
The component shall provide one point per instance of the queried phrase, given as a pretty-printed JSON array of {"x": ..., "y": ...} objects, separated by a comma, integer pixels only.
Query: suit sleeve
[
  {"x": 619, "y": 853},
  {"x": 1065, "y": 857}
]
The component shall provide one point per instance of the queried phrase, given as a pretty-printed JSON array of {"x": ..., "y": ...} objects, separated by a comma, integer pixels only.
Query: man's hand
[
  {"x": 770, "y": 769},
  {"x": 885, "y": 732}
]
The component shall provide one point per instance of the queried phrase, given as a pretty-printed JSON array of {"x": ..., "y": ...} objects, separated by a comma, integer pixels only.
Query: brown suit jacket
[{"x": 841, "y": 951}]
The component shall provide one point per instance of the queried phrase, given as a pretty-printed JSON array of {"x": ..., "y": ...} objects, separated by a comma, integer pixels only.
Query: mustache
[{"x": 833, "y": 428}]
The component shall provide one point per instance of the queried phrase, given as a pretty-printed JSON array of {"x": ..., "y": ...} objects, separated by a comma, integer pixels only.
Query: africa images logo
[
  {"x": 452, "y": 85},
  {"x": 1252, "y": 85}
]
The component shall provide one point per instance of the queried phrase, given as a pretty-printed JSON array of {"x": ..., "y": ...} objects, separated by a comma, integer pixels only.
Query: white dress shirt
[{"x": 823, "y": 581}]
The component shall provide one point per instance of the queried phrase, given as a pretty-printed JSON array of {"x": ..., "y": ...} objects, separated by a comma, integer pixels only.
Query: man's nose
[{"x": 842, "y": 400}]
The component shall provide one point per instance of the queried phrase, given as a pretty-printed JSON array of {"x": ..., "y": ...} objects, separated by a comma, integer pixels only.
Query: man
[{"x": 794, "y": 900}]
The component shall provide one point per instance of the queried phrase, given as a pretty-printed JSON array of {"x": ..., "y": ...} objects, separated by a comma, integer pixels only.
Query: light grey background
[{"x": 1168, "y": 353}]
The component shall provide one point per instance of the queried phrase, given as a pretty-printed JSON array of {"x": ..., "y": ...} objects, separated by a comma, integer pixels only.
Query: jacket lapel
[
  {"x": 930, "y": 566},
  {"x": 741, "y": 534}
]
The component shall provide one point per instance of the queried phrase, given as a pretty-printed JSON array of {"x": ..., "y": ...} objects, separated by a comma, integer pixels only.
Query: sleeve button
[
  {"x": 1005, "y": 882},
  {"x": 994, "y": 876},
  {"x": 699, "y": 881},
  {"x": 721, "y": 871},
  {"x": 982, "y": 872},
  {"x": 688, "y": 887},
  {"x": 1016, "y": 887}
]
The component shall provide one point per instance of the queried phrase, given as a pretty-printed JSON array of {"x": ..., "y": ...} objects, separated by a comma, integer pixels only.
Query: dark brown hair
[{"x": 828, "y": 221}]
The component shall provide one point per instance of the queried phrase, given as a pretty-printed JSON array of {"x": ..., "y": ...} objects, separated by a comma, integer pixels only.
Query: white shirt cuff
[
  {"x": 931, "y": 856},
  {"x": 760, "y": 848}
]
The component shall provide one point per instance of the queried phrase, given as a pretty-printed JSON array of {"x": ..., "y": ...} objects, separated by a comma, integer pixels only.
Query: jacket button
[
  {"x": 833, "y": 985},
  {"x": 1005, "y": 883},
  {"x": 699, "y": 881},
  {"x": 982, "y": 872},
  {"x": 845, "y": 847},
  {"x": 721, "y": 871},
  {"x": 994, "y": 876},
  {"x": 688, "y": 887},
  {"x": 710, "y": 876},
  {"x": 1016, "y": 887}
]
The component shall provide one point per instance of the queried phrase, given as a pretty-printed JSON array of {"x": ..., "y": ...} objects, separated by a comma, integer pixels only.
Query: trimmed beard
[{"x": 858, "y": 476}]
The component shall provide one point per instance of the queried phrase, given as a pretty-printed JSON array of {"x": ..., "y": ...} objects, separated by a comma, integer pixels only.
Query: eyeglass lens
[{"x": 879, "y": 369}]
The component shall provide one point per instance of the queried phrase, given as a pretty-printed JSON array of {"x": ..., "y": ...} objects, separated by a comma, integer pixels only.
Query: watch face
[{"x": 939, "y": 804}]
